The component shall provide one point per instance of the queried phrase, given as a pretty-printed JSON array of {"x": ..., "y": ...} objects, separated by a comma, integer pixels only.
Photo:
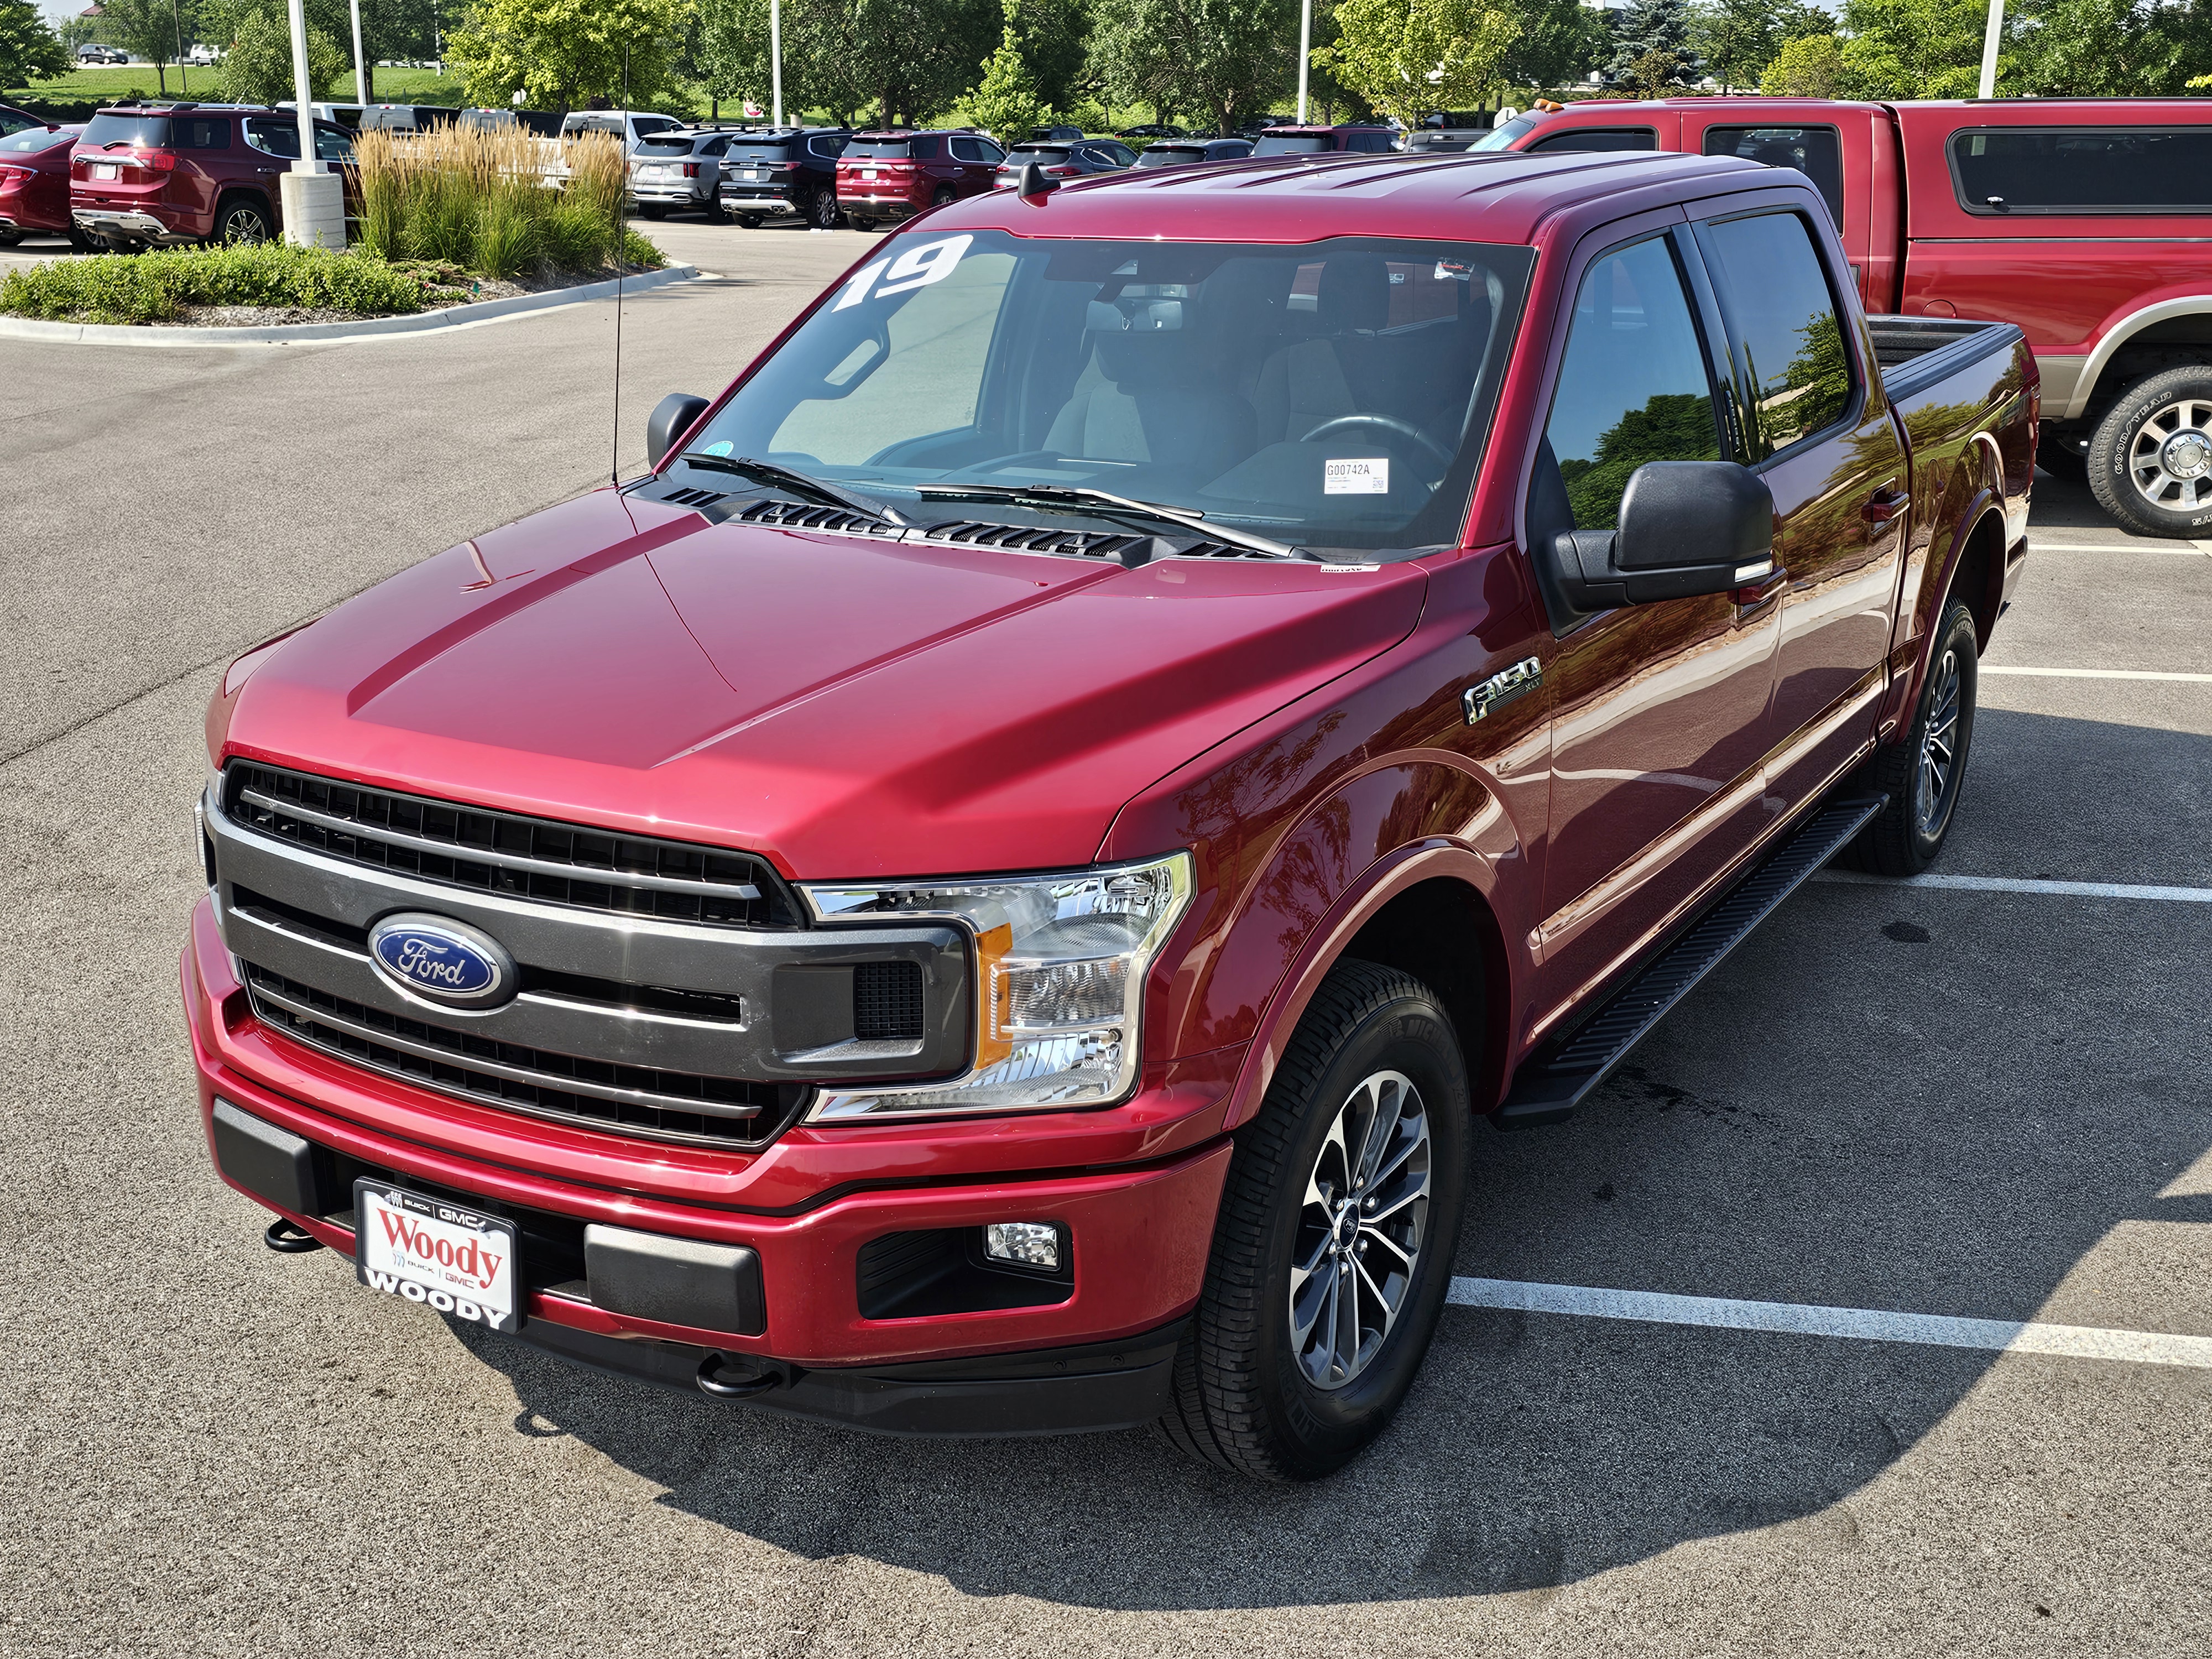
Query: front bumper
[
  {"x": 127, "y": 224},
  {"x": 1140, "y": 1232}
]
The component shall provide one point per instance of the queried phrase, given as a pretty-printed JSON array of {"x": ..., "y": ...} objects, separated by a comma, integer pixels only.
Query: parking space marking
[
  {"x": 2095, "y": 673},
  {"x": 1860, "y": 1324},
  {"x": 2015, "y": 885},
  {"x": 2184, "y": 549}
]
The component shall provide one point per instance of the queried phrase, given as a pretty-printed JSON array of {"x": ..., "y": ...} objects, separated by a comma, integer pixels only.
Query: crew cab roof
[{"x": 1492, "y": 197}]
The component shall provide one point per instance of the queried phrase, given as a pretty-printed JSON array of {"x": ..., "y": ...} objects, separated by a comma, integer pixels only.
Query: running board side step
[{"x": 1555, "y": 1080}]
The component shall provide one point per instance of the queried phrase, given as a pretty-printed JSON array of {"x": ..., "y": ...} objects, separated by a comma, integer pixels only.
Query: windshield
[
  {"x": 1499, "y": 137},
  {"x": 1333, "y": 394},
  {"x": 1310, "y": 143},
  {"x": 146, "y": 131},
  {"x": 34, "y": 139}
]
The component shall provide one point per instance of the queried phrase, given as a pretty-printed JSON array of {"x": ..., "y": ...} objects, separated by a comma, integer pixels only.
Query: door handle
[{"x": 1884, "y": 504}]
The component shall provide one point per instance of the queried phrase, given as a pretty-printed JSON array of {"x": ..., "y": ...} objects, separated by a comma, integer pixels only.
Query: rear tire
[
  {"x": 864, "y": 225},
  {"x": 750, "y": 221},
  {"x": 2150, "y": 463},
  {"x": 1344, "y": 1192},
  {"x": 1924, "y": 769},
  {"x": 942, "y": 195},
  {"x": 242, "y": 219},
  {"x": 651, "y": 210},
  {"x": 822, "y": 212},
  {"x": 10, "y": 235}
]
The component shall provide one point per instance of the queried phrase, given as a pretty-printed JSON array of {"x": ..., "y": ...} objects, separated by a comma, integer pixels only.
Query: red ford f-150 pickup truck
[
  {"x": 2083, "y": 220},
  {"x": 987, "y": 892}
]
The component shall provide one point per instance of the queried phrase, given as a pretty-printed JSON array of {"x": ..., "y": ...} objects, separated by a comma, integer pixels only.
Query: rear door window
[
  {"x": 1370, "y": 140},
  {"x": 1596, "y": 138},
  {"x": 1816, "y": 152},
  {"x": 2086, "y": 170},
  {"x": 202, "y": 132},
  {"x": 1633, "y": 385},
  {"x": 1791, "y": 361}
]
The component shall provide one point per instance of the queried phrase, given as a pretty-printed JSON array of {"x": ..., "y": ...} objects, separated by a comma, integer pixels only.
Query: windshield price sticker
[
  {"x": 447, "y": 1258},
  {"x": 1369, "y": 478},
  {"x": 918, "y": 267}
]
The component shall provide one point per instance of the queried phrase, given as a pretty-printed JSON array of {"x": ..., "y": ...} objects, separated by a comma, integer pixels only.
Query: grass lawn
[{"x": 394, "y": 86}]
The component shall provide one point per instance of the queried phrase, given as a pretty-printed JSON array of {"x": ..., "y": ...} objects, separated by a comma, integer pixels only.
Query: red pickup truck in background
[
  {"x": 986, "y": 893},
  {"x": 2084, "y": 221}
]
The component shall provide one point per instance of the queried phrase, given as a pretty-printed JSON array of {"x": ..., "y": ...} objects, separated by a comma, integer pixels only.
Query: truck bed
[{"x": 1915, "y": 353}]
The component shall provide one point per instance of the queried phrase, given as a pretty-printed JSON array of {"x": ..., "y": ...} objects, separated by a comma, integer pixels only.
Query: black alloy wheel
[
  {"x": 1922, "y": 769},
  {"x": 750, "y": 221},
  {"x": 651, "y": 210},
  {"x": 943, "y": 195},
  {"x": 241, "y": 219},
  {"x": 1332, "y": 1251},
  {"x": 2150, "y": 463},
  {"x": 822, "y": 212},
  {"x": 10, "y": 235}
]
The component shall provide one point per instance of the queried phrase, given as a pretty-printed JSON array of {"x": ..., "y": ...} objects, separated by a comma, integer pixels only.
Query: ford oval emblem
[{"x": 443, "y": 961}]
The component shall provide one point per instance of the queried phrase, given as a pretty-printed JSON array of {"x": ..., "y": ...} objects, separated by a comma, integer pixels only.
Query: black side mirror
[
  {"x": 1686, "y": 527},
  {"x": 668, "y": 421}
]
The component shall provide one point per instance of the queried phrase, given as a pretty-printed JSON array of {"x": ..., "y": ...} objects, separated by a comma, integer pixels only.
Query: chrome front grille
[
  {"x": 507, "y": 853},
  {"x": 668, "y": 1105}
]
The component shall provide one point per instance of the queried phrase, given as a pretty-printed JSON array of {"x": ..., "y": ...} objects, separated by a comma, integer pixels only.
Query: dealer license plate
[
  {"x": 653, "y": 172},
  {"x": 106, "y": 170},
  {"x": 438, "y": 1254},
  {"x": 867, "y": 172},
  {"x": 759, "y": 175}
]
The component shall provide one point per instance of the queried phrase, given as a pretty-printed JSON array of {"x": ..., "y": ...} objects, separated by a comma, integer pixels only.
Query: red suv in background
[
  {"x": 897, "y": 173},
  {"x": 34, "y": 190},
  {"x": 166, "y": 173}
]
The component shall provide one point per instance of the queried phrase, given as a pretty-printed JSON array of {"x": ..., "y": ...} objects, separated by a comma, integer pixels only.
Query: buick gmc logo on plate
[{"x": 443, "y": 961}]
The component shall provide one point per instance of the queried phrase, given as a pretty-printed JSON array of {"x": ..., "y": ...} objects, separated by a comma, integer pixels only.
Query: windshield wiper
[
  {"x": 797, "y": 483},
  {"x": 1105, "y": 502}
]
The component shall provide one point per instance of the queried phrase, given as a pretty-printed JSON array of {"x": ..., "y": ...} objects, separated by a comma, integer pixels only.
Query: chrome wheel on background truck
[
  {"x": 1333, "y": 1247},
  {"x": 2150, "y": 463}
]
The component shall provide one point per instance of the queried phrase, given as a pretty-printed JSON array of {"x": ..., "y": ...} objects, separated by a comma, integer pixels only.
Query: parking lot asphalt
[{"x": 1986, "y": 1104}]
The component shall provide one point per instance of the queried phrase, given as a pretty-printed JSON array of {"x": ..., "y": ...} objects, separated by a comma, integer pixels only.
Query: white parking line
[
  {"x": 2095, "y": 673},
  {"x": 2015, "y": 885},
  {"x": 1860, "y": 1324},
  {"x": 2186, "y": 549}
]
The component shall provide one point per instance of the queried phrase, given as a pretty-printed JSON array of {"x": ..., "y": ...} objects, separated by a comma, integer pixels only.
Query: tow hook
[
  {"x": 711, "y": 1381},
  {"x": 290, "y": 1237}
]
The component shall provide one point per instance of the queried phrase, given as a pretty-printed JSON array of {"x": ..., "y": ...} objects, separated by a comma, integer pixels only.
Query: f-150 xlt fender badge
[
  {"x": 1501, "y": 688},
  {"x": 442, "y": 961}
]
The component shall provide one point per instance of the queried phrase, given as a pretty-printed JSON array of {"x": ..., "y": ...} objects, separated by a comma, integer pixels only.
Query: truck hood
[{"x": 846, "y": 708}]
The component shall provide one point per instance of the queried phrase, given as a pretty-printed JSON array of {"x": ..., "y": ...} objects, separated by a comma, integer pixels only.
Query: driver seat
[{"x": 1306, "y": 383}]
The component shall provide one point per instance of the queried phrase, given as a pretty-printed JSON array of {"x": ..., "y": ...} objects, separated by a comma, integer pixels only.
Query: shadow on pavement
[{"x": 1877, "y": 1102}]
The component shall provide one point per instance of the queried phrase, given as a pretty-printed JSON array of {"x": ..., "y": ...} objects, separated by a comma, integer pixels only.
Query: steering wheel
[{"x": 1390, "y": 423}]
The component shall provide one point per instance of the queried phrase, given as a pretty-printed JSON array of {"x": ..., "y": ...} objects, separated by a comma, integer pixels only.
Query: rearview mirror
[
  {"x": 668, "y": 421},
  {"x": 1686, "y": 528}
]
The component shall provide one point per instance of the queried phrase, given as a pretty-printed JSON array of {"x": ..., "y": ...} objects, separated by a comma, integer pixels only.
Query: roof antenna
[{"x": 622, "y": 239}]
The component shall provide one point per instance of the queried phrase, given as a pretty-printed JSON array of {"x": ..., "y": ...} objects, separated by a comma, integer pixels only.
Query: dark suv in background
[
  {"x": 784, "y": 170},
  {"x": 1318, "y": 141},
  {"x": 1061, "y": 160},
  {"x": 148, "y": 174},
  {"x": 897, "y": 173},
  {"x": 1193, "y": 152}
]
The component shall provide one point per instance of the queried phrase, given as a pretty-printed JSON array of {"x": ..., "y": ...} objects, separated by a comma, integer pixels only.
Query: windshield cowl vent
[
  {"x": 806, "y": 515},
  {"x": 694, "y": 497}
]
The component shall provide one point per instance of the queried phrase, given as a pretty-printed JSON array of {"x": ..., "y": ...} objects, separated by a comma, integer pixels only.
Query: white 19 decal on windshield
[{"x": 918, "y": 267}]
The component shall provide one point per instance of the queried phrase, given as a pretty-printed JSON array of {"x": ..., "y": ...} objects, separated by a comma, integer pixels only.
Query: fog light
[{"x": 1024, "y": 1244}]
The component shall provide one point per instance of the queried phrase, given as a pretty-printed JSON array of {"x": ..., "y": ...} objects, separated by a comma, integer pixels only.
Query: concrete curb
[{"x": 369, "y": 328}]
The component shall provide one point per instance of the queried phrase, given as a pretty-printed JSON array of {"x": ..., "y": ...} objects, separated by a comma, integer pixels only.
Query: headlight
[{"x": 1061, "y": 962}]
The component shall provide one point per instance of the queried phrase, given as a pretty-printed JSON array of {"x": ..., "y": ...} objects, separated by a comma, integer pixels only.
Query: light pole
[
  {"x": 775, "y": 57},
  {"x": 1990, "y": 49},
  {"x": 313, "y": 197},
  {"x": 1305, "y": 50},
  {"x": 360, "y": 63}
]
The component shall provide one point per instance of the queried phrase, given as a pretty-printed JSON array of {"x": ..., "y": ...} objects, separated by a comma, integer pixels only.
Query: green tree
[
  {"x": 152, "y": 30},
  {"x": 257, "y": 67},
  {"x": 1902, "y": 49},
  {"x": 821, "y": 56},
  {"x": 28, "y": 49},
  {"x": 1408, "y": 56},
  {"x": 1810, "y": 66},
  {"x": 1228, "y": 58},
  {"x": 560, "y": 54},
  {"x": 918, "y": 56},
  {"x": 1737, "y": 39},
  {"x": 1055, "y": 36},
  {"x": 1651, "y": 47},
  {"x": 2105, "y": 49},
  {"x": 1561, "y": 41},
  {"x": 1006, "y": 105}
]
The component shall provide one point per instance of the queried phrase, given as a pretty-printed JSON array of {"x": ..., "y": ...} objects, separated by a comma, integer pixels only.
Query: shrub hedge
[{"x": 155, "y": 287}]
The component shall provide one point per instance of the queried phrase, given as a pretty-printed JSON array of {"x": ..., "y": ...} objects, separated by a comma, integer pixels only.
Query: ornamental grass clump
[
  {"x": 156, "y": 288},
  {"x": 499, "y": 201}
]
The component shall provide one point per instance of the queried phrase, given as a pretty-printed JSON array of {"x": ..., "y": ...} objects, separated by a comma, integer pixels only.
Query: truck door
[
  {"x": 1815, "y": 426},
  {"x": 1660, "y": 709}
]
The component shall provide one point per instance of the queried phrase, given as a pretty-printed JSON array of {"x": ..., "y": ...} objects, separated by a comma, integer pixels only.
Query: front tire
[
  {"x": 1922, "y": 772},
  {"x": 2150, "y": 463},
  {"x": 1333, "y": 1246}
]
